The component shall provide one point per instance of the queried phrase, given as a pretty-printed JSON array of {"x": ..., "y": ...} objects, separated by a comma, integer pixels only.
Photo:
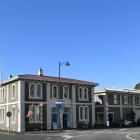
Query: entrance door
[
  {"x": 111, "y": 118},
  {"x": 65, "y": 121},
  {"x": 54, "y": 121}
]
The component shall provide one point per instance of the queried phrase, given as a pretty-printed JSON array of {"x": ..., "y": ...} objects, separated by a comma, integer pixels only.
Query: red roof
[{"x": 56, "y": 79}]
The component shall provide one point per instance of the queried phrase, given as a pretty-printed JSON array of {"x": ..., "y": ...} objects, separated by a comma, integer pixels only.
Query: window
[
  {"x": 35, "y": 91},
  {"x": 83, "y": 113},
  {"x": 54, "y": 91},
  {"x": 115, "y": 99},
  {"x": 37, "y": 114},
  {"x": 2, "y": 94},
  {"x": 13, "y": 114},
  {"x": 137, "y": 100},
  {"x": 2, "y": 114},
  {"x": 86, "y": 113},
  {"x": 80, "y": 93},
  {"x": 13, "y": 92},
  {"x": 65, "y": 92},
  {"x": 32, "y": 90},
  {"x": 85, "y": 94},
  {"x": 39, "y": 91},
  {"x": 127, "y": 99}
]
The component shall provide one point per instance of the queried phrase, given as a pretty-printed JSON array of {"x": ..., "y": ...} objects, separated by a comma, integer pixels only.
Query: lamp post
[{"x": 60, "y": 64}]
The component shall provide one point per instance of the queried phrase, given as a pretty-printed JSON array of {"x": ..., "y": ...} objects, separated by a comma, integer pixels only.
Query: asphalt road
[{"x": 100, "y": 134}]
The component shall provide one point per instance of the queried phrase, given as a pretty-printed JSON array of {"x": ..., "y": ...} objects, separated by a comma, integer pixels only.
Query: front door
[
  {"x": 110, "y": 118},
  {"x": 65, "y": 121},
  {"x": 54, "y": 121}
]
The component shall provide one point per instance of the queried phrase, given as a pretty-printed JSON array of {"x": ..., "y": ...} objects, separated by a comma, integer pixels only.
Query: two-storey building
[
  {"x": 115, "y": 104},
  {"x": 25, "y": 93}
]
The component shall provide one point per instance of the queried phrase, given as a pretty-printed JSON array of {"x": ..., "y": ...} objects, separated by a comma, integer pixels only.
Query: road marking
[
  {"x": 67, "y": 137},
  {"x": 128, "y": 136}
]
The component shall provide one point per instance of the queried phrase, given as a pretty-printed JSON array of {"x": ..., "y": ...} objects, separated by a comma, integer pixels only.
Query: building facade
[
  {"x": 22, "y": 96},
  {"x": 113, "y": 105}
]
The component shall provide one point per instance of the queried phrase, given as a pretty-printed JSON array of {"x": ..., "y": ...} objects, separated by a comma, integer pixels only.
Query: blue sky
[{"x": 100, "y": 38}]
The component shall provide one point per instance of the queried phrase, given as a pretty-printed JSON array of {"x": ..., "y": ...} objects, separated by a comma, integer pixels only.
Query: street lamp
[{"x": 60, "y": 64}]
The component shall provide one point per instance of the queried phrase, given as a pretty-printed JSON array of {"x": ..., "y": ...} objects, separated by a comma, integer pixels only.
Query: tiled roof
[{"x": 56, "y": 79}]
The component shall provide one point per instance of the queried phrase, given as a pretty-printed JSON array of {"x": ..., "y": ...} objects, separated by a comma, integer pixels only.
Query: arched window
[
  {"x": 32, "y": 90},
  {"x": 85, "y": 96},
  {"x": 13, "y": 91},
  {"x": 13, "y": 114},
  {"x": 2, "y": 116},
  {"x": 65, "y": 92},
  {"x": 54, "y": 91},
  {"x": 80, "y": 93},
  {"x": 39, "y": 91}
]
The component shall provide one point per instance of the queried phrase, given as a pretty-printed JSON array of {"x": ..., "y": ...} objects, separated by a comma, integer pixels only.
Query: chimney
[
  {"x": 10, "y": 76},
  {"x": 40, "y": 72}
]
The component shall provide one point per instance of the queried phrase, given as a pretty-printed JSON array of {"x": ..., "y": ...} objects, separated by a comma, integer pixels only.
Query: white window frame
[
  {"x": 115, "y": 99},
  {"x": 13, "y": 93},
  {"x": 85, "y": 99},
  {"x": 67, "y": 93},
  {"x": 35, "y": 91},
  {"x": 31, "y": 97},
  {"x": 80, "y": 98},
  {"x": 2, "y": 94},
  {"x": 83, "y": 115},
  {"x": 13, "y": 113},
  {"x": 125, "y": 99},
  {"x": 52, "y": 93},
  {"x": 83, "y": 94},
  {"x": 3, "y": 115}
]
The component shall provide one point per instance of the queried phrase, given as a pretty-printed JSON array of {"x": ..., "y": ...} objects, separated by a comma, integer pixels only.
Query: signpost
[{"x": 9, "y": 115}]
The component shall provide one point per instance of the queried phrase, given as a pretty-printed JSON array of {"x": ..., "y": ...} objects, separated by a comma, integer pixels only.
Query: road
[{"x": 100, "y": 134}]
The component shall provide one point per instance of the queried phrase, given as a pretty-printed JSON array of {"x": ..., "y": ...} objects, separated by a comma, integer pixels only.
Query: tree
[{"x": 137, "y": 86}]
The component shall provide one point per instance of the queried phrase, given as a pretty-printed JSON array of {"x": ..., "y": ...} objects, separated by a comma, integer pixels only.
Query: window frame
[
  {"x": 52, "y": 93},
  {"x": 83, "y": 119},
  {"x": 2, "y": 94},
  {"x": 80, "y": 94},
  {"x": 40, "y": 91},
  {"x": 31, "y": 97},
  {"x": 13, "y": 119},
  {"x": 115, "y": 99},
  {"x": 35, "y": 91},
  {"x": 13, "y": 93},
  {"x": 125, "y": 99},
  {"x": 85, "y": 99},
  {"x": 2, "y": 108},
  {"x": 67, "y": 92}
]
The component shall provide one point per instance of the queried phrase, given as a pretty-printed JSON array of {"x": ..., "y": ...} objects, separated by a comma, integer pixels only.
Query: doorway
[{"x": 65, "y": 121}]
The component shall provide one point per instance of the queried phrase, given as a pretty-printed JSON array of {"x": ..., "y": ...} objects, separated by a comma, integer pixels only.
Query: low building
[
  {"x": 31, "y": 99},
  {"x": 112, "y": 105}
]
